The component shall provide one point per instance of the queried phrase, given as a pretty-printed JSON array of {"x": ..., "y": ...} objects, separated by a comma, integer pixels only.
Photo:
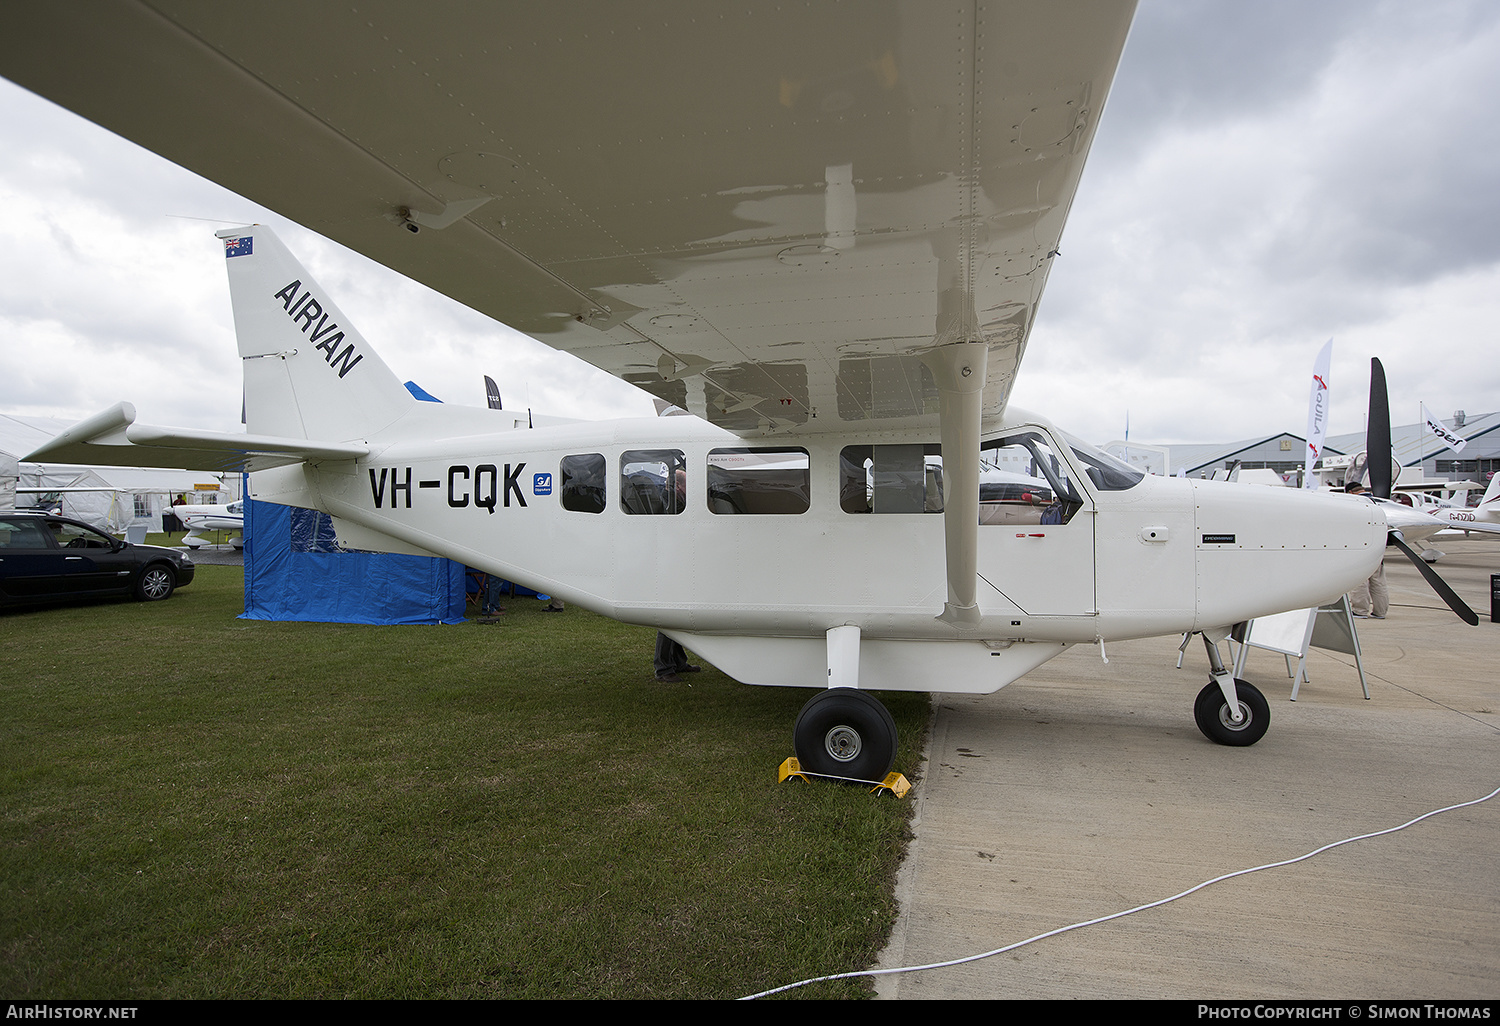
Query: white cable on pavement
[{"x": 1117, "y": 915}]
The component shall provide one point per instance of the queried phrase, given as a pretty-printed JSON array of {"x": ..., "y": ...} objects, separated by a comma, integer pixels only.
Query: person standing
[
  {"x": 492, "y": 609},
  {"x": 1372, "y": 599},
  {"x": 671, "y": 660}
]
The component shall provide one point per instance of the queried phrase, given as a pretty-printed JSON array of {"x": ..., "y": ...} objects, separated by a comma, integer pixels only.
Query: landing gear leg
[
  {"x": 1228, "y": 711},
  {"x": 844, "y": 732}
]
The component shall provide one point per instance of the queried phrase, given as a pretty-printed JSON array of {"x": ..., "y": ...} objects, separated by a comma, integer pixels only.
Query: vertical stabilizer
[
  {"x": 308, "y": 372},
  {"x": 1492, "y": 493}
]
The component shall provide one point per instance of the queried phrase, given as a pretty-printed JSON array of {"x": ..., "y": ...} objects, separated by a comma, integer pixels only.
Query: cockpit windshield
[{"x": 1107, "y": 473}]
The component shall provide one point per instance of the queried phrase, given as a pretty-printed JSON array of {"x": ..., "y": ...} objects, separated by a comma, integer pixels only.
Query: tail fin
[
  {"x": 308, "y": 372},
  {"x": 1492, "y": 493}
]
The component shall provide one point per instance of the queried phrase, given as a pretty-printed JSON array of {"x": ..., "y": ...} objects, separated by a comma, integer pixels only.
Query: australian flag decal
[{"x": 239, "y": 247}]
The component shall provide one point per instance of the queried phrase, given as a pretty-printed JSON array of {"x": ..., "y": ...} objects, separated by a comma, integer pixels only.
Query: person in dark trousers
[
  {"x": 671, "y": 660},
  {"x": 492, "y": 608}
]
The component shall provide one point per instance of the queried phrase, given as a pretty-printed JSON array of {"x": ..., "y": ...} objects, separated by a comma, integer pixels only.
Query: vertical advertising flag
[
  {"x": 1317, "y": 414},
  {"x": 1435, "y": 428}
]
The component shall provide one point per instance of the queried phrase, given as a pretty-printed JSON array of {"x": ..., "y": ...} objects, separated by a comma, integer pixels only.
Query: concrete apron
[{"x": 1085, "y": 789}]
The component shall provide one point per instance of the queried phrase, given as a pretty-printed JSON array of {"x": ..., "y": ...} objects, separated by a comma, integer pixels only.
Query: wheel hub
[
  {"x": 1226, "y": 717},
  {"x": 842, "y": 743}
]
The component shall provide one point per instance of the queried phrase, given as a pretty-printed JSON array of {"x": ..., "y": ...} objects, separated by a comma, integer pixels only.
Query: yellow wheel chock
[{"x": 895, "y": 783}]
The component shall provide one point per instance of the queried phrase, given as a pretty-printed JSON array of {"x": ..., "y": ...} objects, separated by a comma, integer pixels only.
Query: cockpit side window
[
  {"x": 1107, "y": 473},
  {"x": 1023, "y": 482}
]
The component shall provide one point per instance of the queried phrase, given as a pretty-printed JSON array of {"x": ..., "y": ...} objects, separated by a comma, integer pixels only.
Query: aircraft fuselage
[{"x": 756, "y": 592}]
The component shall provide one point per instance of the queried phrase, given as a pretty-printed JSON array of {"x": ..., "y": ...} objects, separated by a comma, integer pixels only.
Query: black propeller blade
[
  {"x": 492, "y": 392},
  {"x": 1378, "y": 434},
  {"x": 1378, "y": 462},
  {"x": 1439, "y": 585}
]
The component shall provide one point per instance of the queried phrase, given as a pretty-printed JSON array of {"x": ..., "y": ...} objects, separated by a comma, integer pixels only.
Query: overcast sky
[{"x": 1267, "y": 176}]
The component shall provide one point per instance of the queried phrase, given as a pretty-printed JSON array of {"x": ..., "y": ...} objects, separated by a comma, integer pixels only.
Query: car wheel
[{"x": 155, "y": 584}]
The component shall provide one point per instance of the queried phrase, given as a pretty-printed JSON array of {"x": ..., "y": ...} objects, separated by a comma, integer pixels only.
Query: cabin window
[
  {"x": 1023, "y": 482},
  {"x": 759, "y": 481},
  {"x": 581, "y": 483},
  {"x": 891, "y": 479},
  {"x": 653, "y": 481}
]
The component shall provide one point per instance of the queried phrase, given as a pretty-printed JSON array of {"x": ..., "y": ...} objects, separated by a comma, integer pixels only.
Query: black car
[{"x": 48, "y": 558}]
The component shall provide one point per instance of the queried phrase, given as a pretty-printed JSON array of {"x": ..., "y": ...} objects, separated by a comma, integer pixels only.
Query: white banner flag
[
  {"x": 1435, "y": 427},
  {"x": 1317, "y": 414}
]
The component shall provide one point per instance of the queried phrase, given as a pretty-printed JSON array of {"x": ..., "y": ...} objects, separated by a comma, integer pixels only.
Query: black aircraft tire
[
  {"x": 843, "y": 732},
  {"x": 1212, "y": 714}
]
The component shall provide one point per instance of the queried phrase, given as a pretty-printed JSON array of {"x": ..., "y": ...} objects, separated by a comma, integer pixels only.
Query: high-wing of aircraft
[{"x": 823, "y": 229}]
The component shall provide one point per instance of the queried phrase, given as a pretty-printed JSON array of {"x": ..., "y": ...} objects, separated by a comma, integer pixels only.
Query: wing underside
[{"x": 763, "y": 215}]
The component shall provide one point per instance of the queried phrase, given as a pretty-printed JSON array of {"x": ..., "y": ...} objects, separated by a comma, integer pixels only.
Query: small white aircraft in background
[
  {"x": 206, "y": 524},
  {"x": 1409, "y": 510},
  {"x": 1483, "y": 519},
  {"x": 822, "y": 230}
]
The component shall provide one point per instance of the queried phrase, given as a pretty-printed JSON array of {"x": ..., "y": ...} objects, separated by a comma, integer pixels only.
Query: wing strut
[{"x": 959, "y": 371}]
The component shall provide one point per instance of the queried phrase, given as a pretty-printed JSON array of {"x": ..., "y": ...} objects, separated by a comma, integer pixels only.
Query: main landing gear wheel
[
  {"x": 1212, "y": 714},
  {"x": 843, "y": 732}
]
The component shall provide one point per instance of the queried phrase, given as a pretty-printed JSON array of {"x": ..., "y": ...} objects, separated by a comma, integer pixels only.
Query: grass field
[{"x": 197, "y": 806}]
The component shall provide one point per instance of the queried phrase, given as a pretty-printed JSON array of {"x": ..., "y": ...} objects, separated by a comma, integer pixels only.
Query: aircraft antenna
[{"x": 210, "y": 220}]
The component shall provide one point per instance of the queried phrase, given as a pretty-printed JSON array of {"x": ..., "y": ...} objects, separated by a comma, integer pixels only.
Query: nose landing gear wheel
[
  {"x": 1214, "y": 719},
  {"x": 843, "y": 732}
]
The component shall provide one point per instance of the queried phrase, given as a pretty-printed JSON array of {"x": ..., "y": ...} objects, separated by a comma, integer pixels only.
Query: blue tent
[{"x": 294, "y": 570}]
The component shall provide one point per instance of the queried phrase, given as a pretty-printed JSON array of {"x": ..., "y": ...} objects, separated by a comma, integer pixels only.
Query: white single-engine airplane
[
  {"x": 822, "y": 229},
  {"x": 1421, "y": 524},
  {"x": 204, "y": 520},
  {"x": 1483, "y": 519}
]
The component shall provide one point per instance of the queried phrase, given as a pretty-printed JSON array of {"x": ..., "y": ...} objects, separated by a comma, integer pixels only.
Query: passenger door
[{"x": 1036, "y": 527}]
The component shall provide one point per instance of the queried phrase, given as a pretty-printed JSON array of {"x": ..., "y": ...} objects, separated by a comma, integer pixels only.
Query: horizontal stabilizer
[
  {"x": 1476, "y": 526},
  {"x": 113, "y": 439}
]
